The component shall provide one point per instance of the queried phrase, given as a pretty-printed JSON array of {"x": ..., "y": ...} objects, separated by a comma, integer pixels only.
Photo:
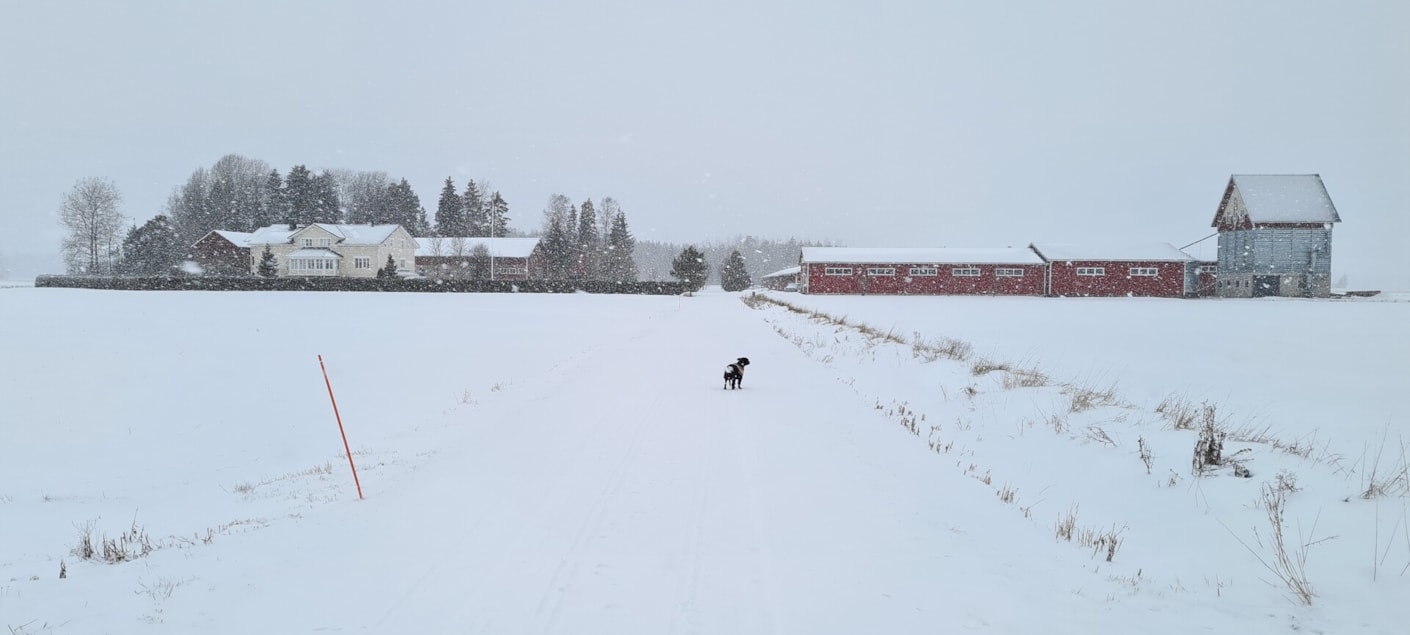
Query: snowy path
[{"x": 625, "y": 492}]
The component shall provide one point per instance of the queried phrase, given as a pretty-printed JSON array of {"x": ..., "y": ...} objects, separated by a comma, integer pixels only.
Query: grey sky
[{"x": 866, "y": 123}]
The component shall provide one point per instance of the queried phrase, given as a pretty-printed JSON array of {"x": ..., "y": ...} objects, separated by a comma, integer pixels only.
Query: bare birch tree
[{"x": 90, "y": 214}]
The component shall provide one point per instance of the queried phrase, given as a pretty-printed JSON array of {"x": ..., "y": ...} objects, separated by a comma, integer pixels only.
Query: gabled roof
[
  {"x": 1276, "y": 198},
  {"x": 346, "y": 234},
  {"x": 271, "y": 235},
  {"x": 1114, "y": 252},
  {"x": 239, "y": 239},
  {"x": 921, "y": 255},
  {"x": 781, "y": 273},
  {"x": 457, "y": 245},
  {"x": 353, "y": 234}
]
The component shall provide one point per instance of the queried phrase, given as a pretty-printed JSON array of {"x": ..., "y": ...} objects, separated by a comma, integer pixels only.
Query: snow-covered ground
[{"x": 570, "y": 463}]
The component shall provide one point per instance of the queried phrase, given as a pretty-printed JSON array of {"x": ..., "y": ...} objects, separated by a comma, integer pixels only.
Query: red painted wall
[
  {"x": 1169, "y": 281},
  {"x": 218, "y": 257},
  {"x": 945, "y": 283}
]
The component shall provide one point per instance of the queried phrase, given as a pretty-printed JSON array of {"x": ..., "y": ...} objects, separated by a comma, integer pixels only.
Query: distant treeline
[{"x": 762, "y": 256}]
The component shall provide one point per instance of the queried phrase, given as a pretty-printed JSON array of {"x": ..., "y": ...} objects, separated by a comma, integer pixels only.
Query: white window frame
[
  {"x": 325, "y": 242},
  {"x": 1091, "y": 271},
  {"x": 925, "y": 271},
  {"x": 308, "y": 242},
  {"x": 965, "y": 272},
  {"x": 1008, "y": 272},
  {"x": 837, "y": 271},
  {"x": 362, "y": 262},
  {"x": 881, "y": 271},
  {"x": 1145, "y": 272}
]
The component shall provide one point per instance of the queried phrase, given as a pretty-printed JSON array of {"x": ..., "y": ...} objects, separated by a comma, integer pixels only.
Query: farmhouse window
[
  {"x": 1091, "y": 271},
  {"x": 965, "y": 272},
  {"x": 1144, "y": 271},
  {"x": 362, "y": 263},
  {"x": 308, "y": 242},
  {"x": 1003, "y": 272},
  {"x": 838, "y": 271},
  {"x": 925, "y": 271},
  {"x": 881, "y": 271},
  {"x": 312, "y": 264}
]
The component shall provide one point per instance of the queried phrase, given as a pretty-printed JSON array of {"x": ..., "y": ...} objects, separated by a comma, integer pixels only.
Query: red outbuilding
[
  {"x": 921, "y": 271},
  {"x": 1152, "y": 270}
]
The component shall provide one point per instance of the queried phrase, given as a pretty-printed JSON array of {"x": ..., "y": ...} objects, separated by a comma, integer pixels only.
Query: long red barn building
[
  {"x": 920, "y": 271},
  {"x": 1152, "y": 270}
]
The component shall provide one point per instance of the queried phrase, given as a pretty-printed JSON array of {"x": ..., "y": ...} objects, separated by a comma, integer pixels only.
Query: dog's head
[{"x": 742, "y": 362}]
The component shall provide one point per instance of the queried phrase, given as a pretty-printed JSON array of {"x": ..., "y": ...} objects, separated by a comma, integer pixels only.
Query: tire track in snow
[{"x": 551, "y": 603}]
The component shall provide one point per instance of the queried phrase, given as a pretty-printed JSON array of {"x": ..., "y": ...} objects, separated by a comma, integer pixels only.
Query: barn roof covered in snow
[
  {"x": 1275, "y": 198},
  {"x": 239, "y": 239},
  {"x": 445, "y": 246},
  {"x": 1111, "y": 252},
  {"x": 922, "y": 255},
  {"x": 791, "y": 271}
]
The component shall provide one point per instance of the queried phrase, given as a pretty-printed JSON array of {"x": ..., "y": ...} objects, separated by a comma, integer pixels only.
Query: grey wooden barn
[{"x": 1275, "y": 237}]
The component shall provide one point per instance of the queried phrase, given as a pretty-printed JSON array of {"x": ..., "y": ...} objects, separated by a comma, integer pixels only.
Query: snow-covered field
[{"x": 570, "y": 464}]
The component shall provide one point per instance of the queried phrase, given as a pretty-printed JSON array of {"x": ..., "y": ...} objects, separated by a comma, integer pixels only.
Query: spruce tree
[
  {"x": 450, "y": 212},
  {"x": 276, "y": 202},
  {"x": 326, "y": 206},
  {"x": 733, "y": 274},
  {"x": 388, "y": 271},
  {"x": 497, "y": 216},
  {"x": 689, "y": 267},
  {"x": 405, "y": 209},
  {"x": 475, "y": 213},
  {"x": 268, "y": 264},
  {"x": 152, "y": 249},
  {"x": 557, "y": 249},
  {"x": 589, "y": 243},
  {"x": 299, "y": 192},
  {"x": 620, "y": 265}
]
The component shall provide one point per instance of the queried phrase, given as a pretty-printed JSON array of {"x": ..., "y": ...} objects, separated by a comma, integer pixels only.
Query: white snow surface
[
  {"x": 570, "y": 463},
  {"x": 1286, "y": 198},
  {"x": 922, "y": 255},
  {"x": 1111, "y": 252}
]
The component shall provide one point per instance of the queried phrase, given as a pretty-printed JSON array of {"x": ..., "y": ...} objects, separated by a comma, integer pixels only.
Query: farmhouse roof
[
  {"x": 271, "y": 234},
  {"x": 347, "y": 234},
  {"x": 1279, "y": 198},
  {"x": 1146, "y": 252},
  {"x": 921, "y": 255},
  {"x": 791, "y": 271},
  {"x": 458, "y": 245},
  {"x": 355, "y": 234}
]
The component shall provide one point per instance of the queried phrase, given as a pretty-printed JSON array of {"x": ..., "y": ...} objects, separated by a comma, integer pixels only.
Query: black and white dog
[{"x": 734, "y": 373}]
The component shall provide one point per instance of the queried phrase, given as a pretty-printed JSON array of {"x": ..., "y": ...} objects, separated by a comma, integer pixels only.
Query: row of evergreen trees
[
  {"x": 691, "y": 268},
  {"x": 242, "y": 194}
]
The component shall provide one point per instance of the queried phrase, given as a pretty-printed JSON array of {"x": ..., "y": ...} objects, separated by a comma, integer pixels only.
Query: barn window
[
  {"x": 965, "y": 272},
  {"x": 1091, "y": 271},
  {"x": 1144, "y": 271},
  {"x": 925, "y": 271},
  {"x": 838, "y": 271},
  {"x": 1004, "y": 272},
  {"x": 881, "y": 271}
]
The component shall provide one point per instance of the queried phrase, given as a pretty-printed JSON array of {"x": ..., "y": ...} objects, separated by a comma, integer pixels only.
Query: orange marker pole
[{"x": 340, "y": 426}]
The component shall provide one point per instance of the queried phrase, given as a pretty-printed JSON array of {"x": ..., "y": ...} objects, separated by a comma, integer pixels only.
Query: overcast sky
[{"x": 906, "y": 124}]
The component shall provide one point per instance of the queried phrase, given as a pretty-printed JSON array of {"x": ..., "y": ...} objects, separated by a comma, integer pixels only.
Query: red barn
[
  {"x": 1152, "y": 270},
  {"x": 223, "y": 253},
  {"x": 924, "y": 271}
]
